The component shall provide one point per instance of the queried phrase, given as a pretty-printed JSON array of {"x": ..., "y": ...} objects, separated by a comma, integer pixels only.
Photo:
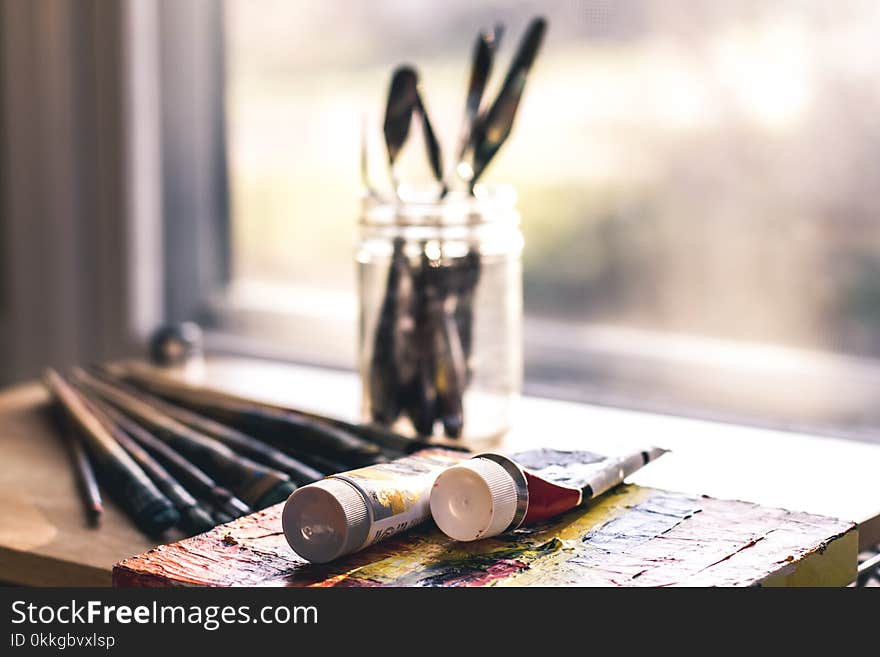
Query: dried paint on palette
[{"x": 631, "y": 536}]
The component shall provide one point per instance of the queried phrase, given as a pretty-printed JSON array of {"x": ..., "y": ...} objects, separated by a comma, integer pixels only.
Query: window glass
[{"x": 703, "y": 168}]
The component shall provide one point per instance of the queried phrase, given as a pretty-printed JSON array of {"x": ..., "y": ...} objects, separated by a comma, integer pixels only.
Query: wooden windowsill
[{"x": 44, "y": 539}]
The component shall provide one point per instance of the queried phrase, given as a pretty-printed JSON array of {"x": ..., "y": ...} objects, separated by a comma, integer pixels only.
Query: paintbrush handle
[
  {"x": 87, "y": 479},
  {"x": 87, "y": 482},
  {"x": 232, "y": 438},
  {"x": 134, "y": 489},
  {"x": 263, "y": 417},
  {"x": 256, "y": 484},
  {"x": 200, "y": 483},
  {"x": 289, "y": 429},
  {"x": 385, "y": 373},
  {"x": 193, "y": 518},
  {"x": 492, "y": 129},
  {"x": 435, "y": 154}
]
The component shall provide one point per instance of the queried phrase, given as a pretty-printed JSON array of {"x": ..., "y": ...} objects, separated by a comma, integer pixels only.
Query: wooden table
[{"x": 45, "y": 540}]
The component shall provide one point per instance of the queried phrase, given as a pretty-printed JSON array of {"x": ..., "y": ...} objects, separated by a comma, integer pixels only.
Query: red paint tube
[{"x": 491, "y": 493}]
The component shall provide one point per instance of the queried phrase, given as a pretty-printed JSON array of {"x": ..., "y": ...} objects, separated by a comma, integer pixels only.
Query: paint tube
[
  {"x": 490, "y": 494},
  {"x": 347, "y": 512}
]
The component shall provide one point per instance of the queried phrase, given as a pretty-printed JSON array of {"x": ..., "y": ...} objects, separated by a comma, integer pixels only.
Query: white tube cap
[
  {"x": 475, "y": 499},
  {"x": 326, "y": 519}
]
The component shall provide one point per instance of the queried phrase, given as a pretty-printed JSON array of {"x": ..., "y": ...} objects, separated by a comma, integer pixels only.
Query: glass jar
[{"x": 440, "y": 286}]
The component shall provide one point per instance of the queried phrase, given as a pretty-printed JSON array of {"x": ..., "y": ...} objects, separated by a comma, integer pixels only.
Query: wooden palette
[{"x": 633, "y": 536}]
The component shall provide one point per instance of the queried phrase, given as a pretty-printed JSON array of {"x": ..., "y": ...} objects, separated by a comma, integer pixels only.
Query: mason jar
[{"x": 440, "y": 290}]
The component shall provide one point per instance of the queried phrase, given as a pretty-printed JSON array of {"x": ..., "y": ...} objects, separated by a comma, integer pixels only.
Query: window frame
[{"x": 195, "y": 197}]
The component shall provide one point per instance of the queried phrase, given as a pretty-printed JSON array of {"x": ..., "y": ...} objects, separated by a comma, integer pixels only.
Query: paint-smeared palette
[{"x": 632, "y": 536}]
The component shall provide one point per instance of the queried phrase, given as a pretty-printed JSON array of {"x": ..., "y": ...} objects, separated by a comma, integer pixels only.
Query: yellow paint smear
[
  {"x": 574, "y": 526},
  {"x": 837, "y": 565},
  {"x": 433, "y": 547}
]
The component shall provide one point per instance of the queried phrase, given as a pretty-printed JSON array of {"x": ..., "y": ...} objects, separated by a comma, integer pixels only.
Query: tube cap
[
  {"x": 475, "y": 499},
  {"x": 324, "y": 520}
]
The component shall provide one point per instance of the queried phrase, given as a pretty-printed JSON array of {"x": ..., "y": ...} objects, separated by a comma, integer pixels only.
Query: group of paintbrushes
[
  {"x": 420, "y": 364},
  {"x": 177, "y": 455}
]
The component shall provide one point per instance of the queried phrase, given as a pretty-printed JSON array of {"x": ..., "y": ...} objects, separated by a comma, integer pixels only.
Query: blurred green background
[{"x": 697, "y": 167}]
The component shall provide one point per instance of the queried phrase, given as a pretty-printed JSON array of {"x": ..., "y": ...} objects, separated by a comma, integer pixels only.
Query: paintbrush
[
  {"x": 220, "y": 515},
  {"x": 232, "y": 438},
  {"x": 321, "y": 463},
  {"x": 492, "y": 128},
  {"x": 439, "y": 388},
  {"x": 385, "y": 369},
  {"x": 150, "y": 509},
  {"x": 287, "y": 429},
  {"x": 193, "y": 518},
  {"x": 450, "y": 375},
  {"x": 202, "y": 485},
  {"x": 261, "y": 417},
  {"x": 481, "y": 69},
  {"x": 444, "y": 342},
  {"x": 258, "y": 485},
  {"x": 435, "y": 154},
  {"x": 402, "y": 99},
  {"x": 87, "y": 482},
  {"x": 390, "y": 368},
  {"x": 419, "y": 395}
]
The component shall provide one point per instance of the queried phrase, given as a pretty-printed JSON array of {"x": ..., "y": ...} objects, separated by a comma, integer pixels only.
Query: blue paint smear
[{"x": 643, "y": 522}]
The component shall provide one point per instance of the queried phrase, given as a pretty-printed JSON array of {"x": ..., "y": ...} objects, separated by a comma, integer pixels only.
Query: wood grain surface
[{"x": 45, "y": 538}]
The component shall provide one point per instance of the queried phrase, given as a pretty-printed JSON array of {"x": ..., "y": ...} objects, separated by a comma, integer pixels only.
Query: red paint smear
[
  {"x": 345, "y": 580},
  {"x": 336, "y": 580},
  {"x": 547, "y": 500}
]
